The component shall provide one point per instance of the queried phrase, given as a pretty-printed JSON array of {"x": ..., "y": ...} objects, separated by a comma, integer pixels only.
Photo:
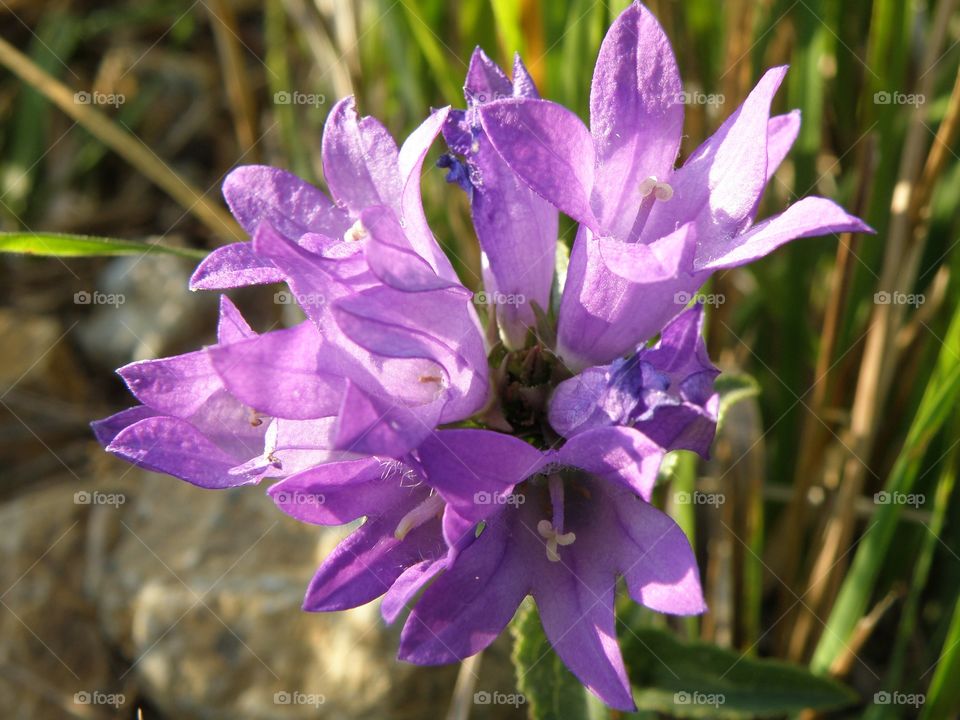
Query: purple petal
[
  {"x": 607, "y": 282},
  {"x": 474, "y": 470},
  {"x": 382, "y": 425},
  {"x": 231, "y": 326},
  {"x": 485, "y": 81},
  {"x": 468, "y": 606},
  {"x": 809, "y": 217},
  {"x": 636, "y": 115},
  {"x": 549, "y": 147},
  {"x": 575, "y": 601},
  {"x": 340, "y": 492},
  {"x": 619, "y": 455},
  {"x": 366, "y": 564},
  {"x": 410, "y": 161},
  {"x": 719, "y": 185},
  {"x": 359, "y": 159},
  {"x": 175, "y": 447},
  {"x": 235, "y": 265},
  {"x": 407, "y": 586},
  {"x": 523, "y": 85},
  {"x": 258, "y": 194},
  {"x": 177, "y": 385},
  {"x": 660, "y": 570},
  {"x": 107, "y": 429},
  {"x": 280, "y": 373}
]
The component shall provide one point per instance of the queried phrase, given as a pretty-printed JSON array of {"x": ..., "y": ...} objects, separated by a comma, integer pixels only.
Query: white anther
[
  {"x": 554, "y": 539},
  {"x": 660, "y": 190},
  {"x": 356, "y": 232}
]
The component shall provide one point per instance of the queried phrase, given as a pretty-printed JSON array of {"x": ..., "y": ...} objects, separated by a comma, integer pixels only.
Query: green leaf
[
  {"x": 551, "y": 691},
  {"x": 63, "y": 245},
  {"x": 734, "y": 388},
  {"x": 693, "y": 680}
]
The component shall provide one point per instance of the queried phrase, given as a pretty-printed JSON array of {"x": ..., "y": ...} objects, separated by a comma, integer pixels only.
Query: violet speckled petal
[
  {"x": 177, "y": 385},
  {"x": 382, "y": 425},
  {"x": 636, "y": 116},
  {"x": 231, "y": 326},
  {"x": 485, "y": 81},
  {"x": 235, "y": 265},
  {"x": 359, "y": 159},
  {"x": 549, "y": 147}
]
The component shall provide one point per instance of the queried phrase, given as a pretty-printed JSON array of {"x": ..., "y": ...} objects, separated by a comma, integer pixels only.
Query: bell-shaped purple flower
[
  {"x": 650, "y": 232},
  {"x": 517, "y": 229}
]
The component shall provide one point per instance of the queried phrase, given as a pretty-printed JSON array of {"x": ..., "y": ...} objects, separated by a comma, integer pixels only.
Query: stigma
[
  {"x": 552, "y": 531},
  {"x": 427, "y": 510}
]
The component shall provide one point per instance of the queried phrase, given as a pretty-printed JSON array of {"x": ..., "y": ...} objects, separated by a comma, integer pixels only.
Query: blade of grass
[
  {"x": 129, "y": 147},
  {"x": 62, "y": 245},
  {"x": 943, "y": 697}
]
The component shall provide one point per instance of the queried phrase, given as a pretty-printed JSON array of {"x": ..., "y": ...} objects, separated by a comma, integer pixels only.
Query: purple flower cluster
[{"x": 483, "y": 474}]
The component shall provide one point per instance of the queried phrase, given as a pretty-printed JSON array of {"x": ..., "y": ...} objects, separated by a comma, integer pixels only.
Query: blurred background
[{"x": 826, "y": 523}]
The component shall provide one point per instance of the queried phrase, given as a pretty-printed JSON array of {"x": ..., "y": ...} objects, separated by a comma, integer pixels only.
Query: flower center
[
  {"x": 552, "y": 531},
  {"x": 356, "y": 232},
  {"x": 427, "y": 510}
]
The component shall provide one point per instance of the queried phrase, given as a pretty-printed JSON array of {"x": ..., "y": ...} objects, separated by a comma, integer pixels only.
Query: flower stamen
[
  {"x": 662, "y": 191},
  {"x": 553, "y": 532},
  {"x": 427, "y": 510}
]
